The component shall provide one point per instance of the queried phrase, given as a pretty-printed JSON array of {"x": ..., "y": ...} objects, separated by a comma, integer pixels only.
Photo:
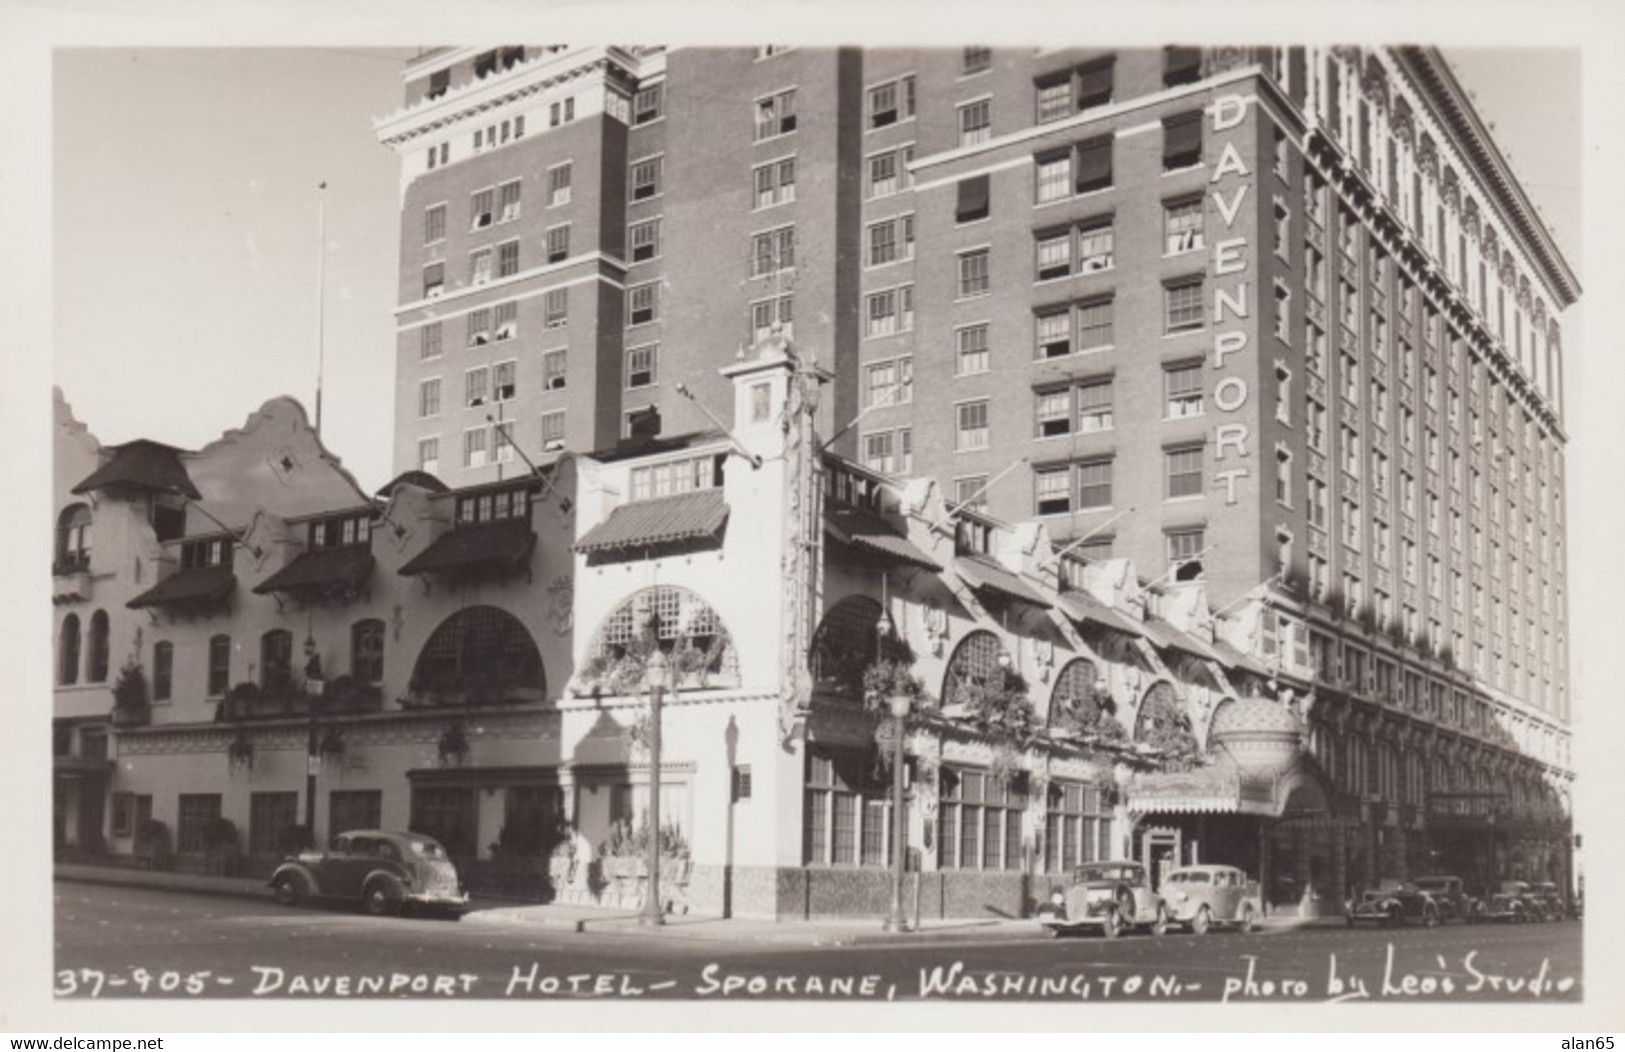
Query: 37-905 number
[{"x": 95, "y": 982}]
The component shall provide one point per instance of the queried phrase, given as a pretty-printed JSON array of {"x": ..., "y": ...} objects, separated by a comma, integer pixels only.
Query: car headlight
[{"x": 1057, "y": 898}]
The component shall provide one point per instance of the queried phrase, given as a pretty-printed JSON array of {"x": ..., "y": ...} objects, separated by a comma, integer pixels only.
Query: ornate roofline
[{"x": 1430, "y": 72}]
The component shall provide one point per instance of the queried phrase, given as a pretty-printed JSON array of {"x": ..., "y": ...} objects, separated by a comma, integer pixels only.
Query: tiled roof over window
[
  {"x": 342, "y": 567},
  {"x": 143, "y": 464},
  {"x": 664, "y": 520},
  {"x": 984, "y": 574},
  {"x": 1081, "y": 606},
  {"x": 1167, "y": 636},
  {"x": 505, "y": 541},
  {"x": 204, "y": 584},
  {"x": 867, "y": 533}
]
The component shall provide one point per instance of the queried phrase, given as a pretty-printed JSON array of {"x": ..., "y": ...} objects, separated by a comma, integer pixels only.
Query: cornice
[{"x": 1432, "y": 76}]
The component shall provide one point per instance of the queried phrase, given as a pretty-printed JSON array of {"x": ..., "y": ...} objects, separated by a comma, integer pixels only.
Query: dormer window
[
  {"x": 492, "y": 506},
  {"x": 677, "y": 476},
  {"x": 485, "y": 65},
  {"x": 972, "y": 537},
  {"x": 439, "y": 83},
  {"x": 215, "y": 551},
  {"x": 341, "y": 530},
  {"x": 73, "y": 533}
]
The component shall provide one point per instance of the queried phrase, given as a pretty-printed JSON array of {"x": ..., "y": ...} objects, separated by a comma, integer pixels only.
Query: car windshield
[
  {"x": 1192, "y": 876},
  {"x": 1433, "y": 885},
  {"x": 1085, "y": 873}
]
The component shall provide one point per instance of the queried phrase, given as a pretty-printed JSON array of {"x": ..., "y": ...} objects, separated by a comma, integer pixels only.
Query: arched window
[
  {"x": 73, "y": 539},
  {"x": 1075, "y": 704},
  {"x": 276, "y": 660},
  {"x": 163, "y": 670},
  {"x": 676, "y": 620},
  {"x": 1162, "y": 723},
  {"x": 845, "y": 644},
  {"x": 67, "y": 671},
  {"x": 96, "y": 670},
  {"x": 974, "y": 660},
  {"x": 480, "y": 655},
  {"x": 367, "y": 651}
]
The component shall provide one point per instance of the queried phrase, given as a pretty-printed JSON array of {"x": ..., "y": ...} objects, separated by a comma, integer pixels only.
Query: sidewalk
[{"x": 593, "y": 920}]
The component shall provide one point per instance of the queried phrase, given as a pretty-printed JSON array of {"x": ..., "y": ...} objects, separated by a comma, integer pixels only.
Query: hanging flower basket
[
  {"x": 240, "y": 753},
  {"x": 333, "y": 746},
  {"x": 453, "y": 744}
]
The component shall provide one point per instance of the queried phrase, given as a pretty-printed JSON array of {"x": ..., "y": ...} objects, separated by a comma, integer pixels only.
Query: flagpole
[{"x": 321, "y": 290}]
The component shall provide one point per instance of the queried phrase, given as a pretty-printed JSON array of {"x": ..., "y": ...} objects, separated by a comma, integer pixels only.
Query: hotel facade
[{"x": 1260, "y": 561}]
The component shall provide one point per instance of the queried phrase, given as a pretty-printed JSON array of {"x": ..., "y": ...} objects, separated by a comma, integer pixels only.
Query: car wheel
[
  {"x": 1160, "y": 925},
  {"x": 378, "y": 900},
  {"x": 287, "y": 891},
  {"x": 1430, "y": 918},
  {"x": 1249, "y": 922},
  {"x": 1201, "y": 923},
  {"x": 1111, "y": 925}
]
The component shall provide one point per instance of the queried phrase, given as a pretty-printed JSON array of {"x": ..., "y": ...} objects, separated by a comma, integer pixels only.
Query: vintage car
[
  {"x": 1201, "y": 896},
  {"x": 1110, "y": 896},
  {"x": 1512, "y": 901},
  {"x": 1393, "y": 904},
  {"x": 1552, "y": 905},
  {"x": 384, "y": 872},
  {"x": 1451, "y": 896}
]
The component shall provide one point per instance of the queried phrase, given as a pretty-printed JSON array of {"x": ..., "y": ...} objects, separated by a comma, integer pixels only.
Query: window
[
  {"x": 1283, "y": 394},
  {"x": 1054, "y": 412},
  {"x": 971, "y": 492},
  {"x": 1181, "y": 141},
  {"x": 1182, "y": 384},
  {"x": 973, "y": 199},
  {"x": 1094, "y": 165},
  {"x": 503, "y": 382},
  {"x": 558, "y": 185},
  {"x": 973, "y": 354},
  {"x": 848, "y": 810},
  {"x": 1315, "y": 425},
  {"x": 561, "y": 112},
  {"x": 646, "y": 104},
  {"x": 776, "y": 115},
  {"x": 646, "y": 179},
  {"x": 773, "y": 251},
  {"x": 891, "y": 383},
  {"x": 771, "y": 316},
  {"x": 434, "y": 280},
  {"x": 891, "y": 240},
  {"x": 555, "y": 365},
  {"x": 196, "y": 812},
  {"x": 1283, "y": 312},
  {"x": 1282, "y": 230},
  {"x": 642, "y": 304},
  {"x": 1183, "y": 470},
  {"x": 976, "y": 60},
  {"x": 508, "y": 201},
  {"x": 474, "y": 448},
  {"x": 429, "y": 455},
  {"x": 558, "y": 243},
  {"x": 429, "y": 341},
  {"x": 1185, "y": 549},
  {"x": 890, "y": 451},
  {"x": 479, "y": 327},
  {"x": 481, "y": 209},
  {"x": 429, "y": 397},
  {"x": 1054, "y": 255},
  {"x": 890, "y": 311},
  {"x": 367, "y": 651},
  {"x": 219, "y": 672},
  {"x": 434, "y": 224},
  {"x": 891, "y": 102},
  {"x": 888, "y": 172},
  {"x": 476, "y": 387},
  {"x": 1283, "y": 477},
  {"x": 1181, "y": 65},
  {"x": 776, "y": 182},
  {"x": 971, "y": 426},
  {"x": 640, "y": 366},
  {"x": 1094, "y": 484},
  {"x": 1054, "y": 177},
  {"x": 556, "y": 309},
  {"x": 1077, "y": 822},
  {"x": 1182, "y": 226},
  {"x": 276, "y": 660},
  {"x": 975, "y": 122},
  {"x": 553, "y": 431},
  {"x": 644, "y": 240},
  {"x": 1052, "y": 491},
  {"x": 68, "y": 651},
  {"x": 1182, "y": 305},
  {"x": 974, "y": 279},
  {"x": 979, "y": 821},
  {"x": 1317, "y": 503}
]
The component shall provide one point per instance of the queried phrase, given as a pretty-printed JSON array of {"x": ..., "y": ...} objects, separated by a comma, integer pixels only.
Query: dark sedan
[{"x": 384, "y": 872}]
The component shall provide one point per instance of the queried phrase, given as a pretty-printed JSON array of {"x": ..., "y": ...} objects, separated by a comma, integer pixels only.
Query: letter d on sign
[{"x": 1228, "y": 111}]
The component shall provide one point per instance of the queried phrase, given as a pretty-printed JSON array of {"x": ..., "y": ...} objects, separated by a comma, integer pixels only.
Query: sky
[{"x": 187, "y": 229}]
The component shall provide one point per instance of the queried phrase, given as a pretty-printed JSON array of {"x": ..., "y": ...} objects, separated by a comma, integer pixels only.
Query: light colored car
[
  {"x": 1201, "y": 896},
  {"x": 1105, "y": 896},
  {"x": 1450, "y": 895},
  {"x": 382, "y": 871}
]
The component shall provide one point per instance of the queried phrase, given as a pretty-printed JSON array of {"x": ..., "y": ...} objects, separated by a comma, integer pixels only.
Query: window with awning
[
  {"x": 1094, "y": 166},
  {"x": 973, "y": 199},
  {"x": 1181, "y": 65},
  {"x": 1181, "y": 141}
]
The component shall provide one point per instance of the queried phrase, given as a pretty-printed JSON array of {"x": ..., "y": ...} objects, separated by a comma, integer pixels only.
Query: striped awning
[
  {"x": 503, "y": 542},
  {"x": 664, "y": 520},
  {"x": 1168, "y": 637},
  {"x": 985, "y": 575},
  {"x": 867, "y": 533},
  {"x": 1081, "y": 606},
  {"x": 203, "y": 584},
  {"x": 346, "y": 566}
]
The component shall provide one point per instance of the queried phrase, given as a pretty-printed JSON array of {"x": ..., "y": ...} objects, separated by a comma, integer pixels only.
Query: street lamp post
[
  {"x": 655, "y": 676},
  {"x": 313, "y": 756},
  {"x": 895, "y": 920}
]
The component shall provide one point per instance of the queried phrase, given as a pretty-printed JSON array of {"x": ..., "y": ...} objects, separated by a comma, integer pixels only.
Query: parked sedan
[
  {"x": 382, "y": 871},
  {"x": 1109, "y": 896},
  {"x": 1201, "y": 896},
  {"x": 1451, "y": 896},
  {"x": 1511, "y": 901},
  {"x": 1552, "y": 906},
  {"x": 1393, "y": 905}
]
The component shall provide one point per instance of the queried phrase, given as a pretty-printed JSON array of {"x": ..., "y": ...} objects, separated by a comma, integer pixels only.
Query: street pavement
[{"x": 139, "y": 941}]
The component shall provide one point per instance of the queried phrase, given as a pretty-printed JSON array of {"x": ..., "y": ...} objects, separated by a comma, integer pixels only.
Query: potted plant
[
  {"x": 561, "y": 864},
  {"x": 152, "y": 844},
  {"x": 220, "y": 846}
]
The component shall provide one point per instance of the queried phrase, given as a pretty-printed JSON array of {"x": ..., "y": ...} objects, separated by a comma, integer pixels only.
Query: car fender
[
  {"x": 393, "y": 879},
  {"x": 299, "y": 872}
]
